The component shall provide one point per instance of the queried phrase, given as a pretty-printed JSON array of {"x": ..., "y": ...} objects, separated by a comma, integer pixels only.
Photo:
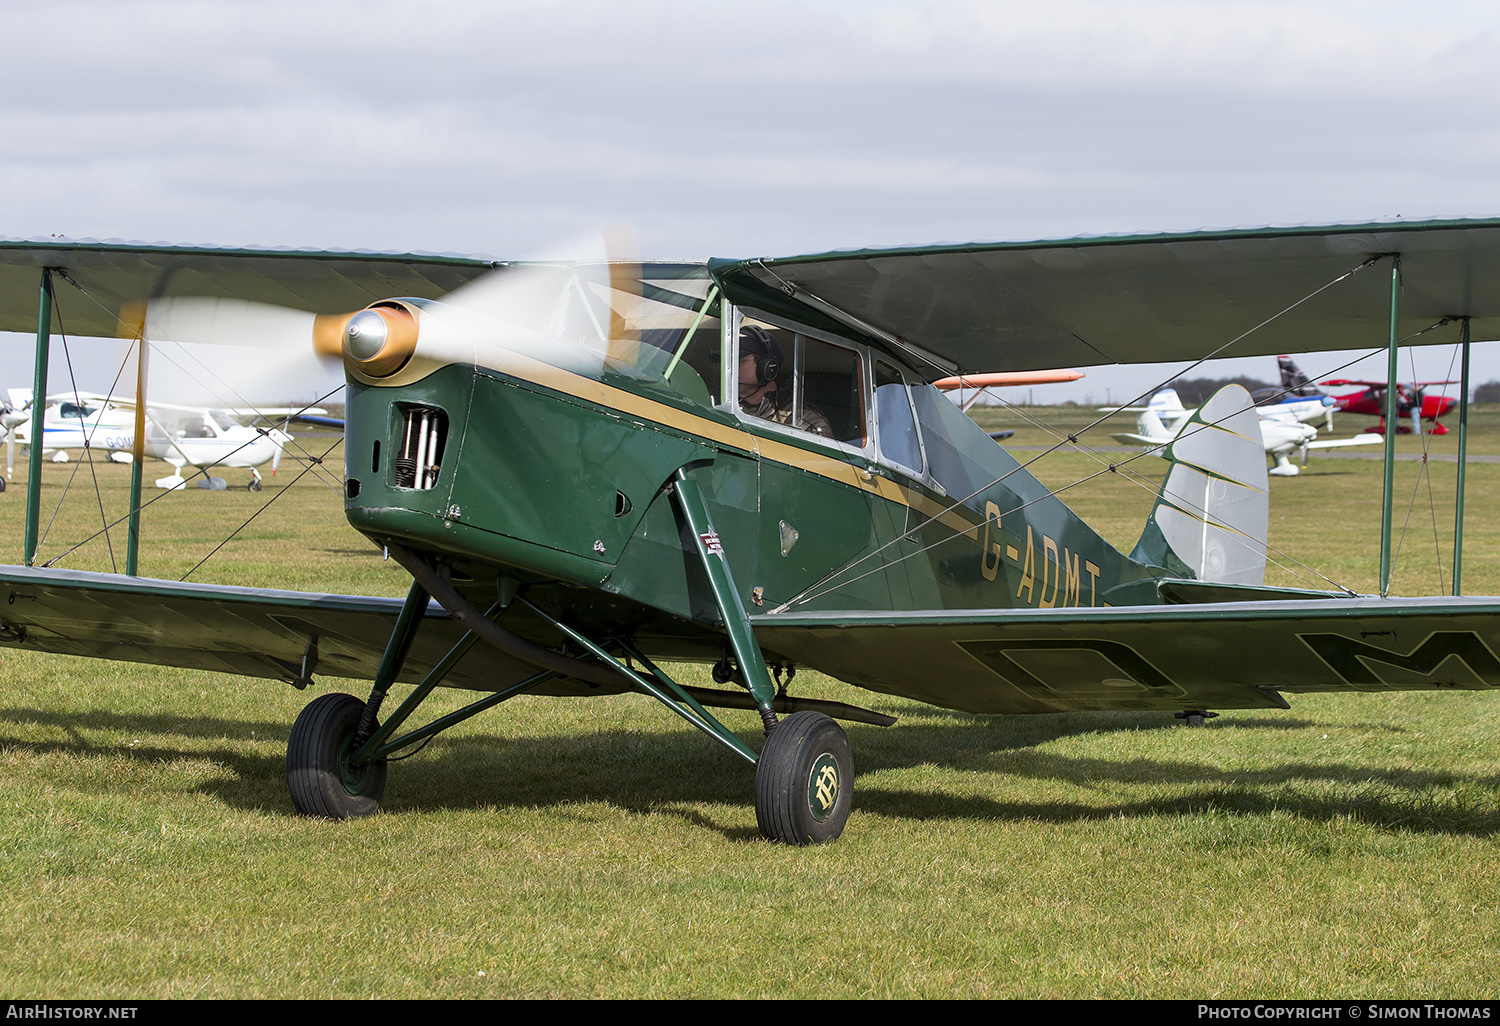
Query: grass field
[{"x": 1344, "y": 848}]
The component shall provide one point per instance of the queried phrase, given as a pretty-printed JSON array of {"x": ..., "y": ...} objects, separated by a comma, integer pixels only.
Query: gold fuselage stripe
[{"x": 536, "y": 372}]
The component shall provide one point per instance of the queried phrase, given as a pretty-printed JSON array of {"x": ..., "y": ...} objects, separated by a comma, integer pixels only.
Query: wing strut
[
  {"x": 747, "y": 652},
  {"x": 1390, "y": 432},
  {"x": 1463, "y": 455},
  {"x": 38, "y": 415}
]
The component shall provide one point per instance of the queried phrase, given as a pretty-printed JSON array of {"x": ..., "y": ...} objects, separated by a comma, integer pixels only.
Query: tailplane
[{"x": 1212, "y": 513}]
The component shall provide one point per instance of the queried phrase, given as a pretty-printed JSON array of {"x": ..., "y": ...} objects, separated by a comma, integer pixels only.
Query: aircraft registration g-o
[{"x": 597, "y": 469}]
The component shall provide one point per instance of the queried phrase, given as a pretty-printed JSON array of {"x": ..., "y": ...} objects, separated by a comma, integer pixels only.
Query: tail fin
[
  {"x": 1293, "y": 381},
  {"x": 1166, "y": 402},
  {"x": 1213, "y": 513},
  {"x": 1149, "y": 425}
]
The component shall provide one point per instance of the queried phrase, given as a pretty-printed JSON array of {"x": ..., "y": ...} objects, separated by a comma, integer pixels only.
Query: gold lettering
[
  {"x": 1049, "y": 563},
  {"x": 1028, "y": 569},
  {"x": 987, "y": 547},
  {"x": 1093, "y": 582},
  {"x": 1070, "y": 596}
]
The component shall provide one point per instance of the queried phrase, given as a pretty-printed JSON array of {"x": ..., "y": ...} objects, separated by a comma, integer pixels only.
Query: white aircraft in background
[
  {"x": 1297, "y": 396},
  {"x": 1164, "y": 418},
  {"x": 180, "y": 435}
]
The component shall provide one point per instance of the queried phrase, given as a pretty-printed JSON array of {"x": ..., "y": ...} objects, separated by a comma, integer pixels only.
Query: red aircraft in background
[{"x": 1412, "y": 403}]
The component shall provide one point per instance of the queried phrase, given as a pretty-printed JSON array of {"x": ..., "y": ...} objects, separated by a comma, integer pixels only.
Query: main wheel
[
  {"x": 254, "y": 485},
  {"x": 804, "y": 781},
  {"x": 318, "y": 773}
]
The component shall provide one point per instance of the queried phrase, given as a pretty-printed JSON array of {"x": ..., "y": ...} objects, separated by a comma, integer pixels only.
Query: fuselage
[{"x": 513, "y": 468}]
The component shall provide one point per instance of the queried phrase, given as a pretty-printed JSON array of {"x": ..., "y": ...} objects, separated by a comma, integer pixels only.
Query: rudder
[{"x": 1212, "y": 514}]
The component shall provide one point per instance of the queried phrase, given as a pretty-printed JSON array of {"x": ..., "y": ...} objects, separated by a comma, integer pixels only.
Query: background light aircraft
[
  {"x": 595, "y": 469},
  {"x": 1412, "y": 403},
  {"x": 1297, "y": 396},
  {"x": 179, "y": 435},
  {"x": 1280, "y": 432},
  {"x": 72, "y": 421}
]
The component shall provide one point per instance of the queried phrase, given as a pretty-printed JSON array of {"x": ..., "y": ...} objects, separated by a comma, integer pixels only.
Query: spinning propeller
[{"x": 579, "y": 314}]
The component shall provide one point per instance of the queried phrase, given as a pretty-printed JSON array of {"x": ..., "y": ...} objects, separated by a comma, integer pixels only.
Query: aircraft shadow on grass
[{"x": 660, "y": 772}]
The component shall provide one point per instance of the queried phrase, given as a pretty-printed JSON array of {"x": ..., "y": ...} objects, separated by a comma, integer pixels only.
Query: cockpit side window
[
  {"x": 802, "y": 382},
  {"x": 953, "y": 442},
  {"x": 896, "y": 427}
]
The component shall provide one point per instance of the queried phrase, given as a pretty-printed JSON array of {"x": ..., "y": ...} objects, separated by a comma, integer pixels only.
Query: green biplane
[{"x": 592, "y": 470}]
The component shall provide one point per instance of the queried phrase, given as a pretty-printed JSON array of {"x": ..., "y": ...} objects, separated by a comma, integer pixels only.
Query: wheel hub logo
[{"x": 823, "y": 787}]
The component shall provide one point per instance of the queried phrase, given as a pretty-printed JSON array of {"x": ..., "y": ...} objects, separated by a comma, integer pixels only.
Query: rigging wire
[
  {"x": 42, "y": 405},
  {"x": 267, "y": 506},
  {"x": 197, "y": 473},
  {"x": 211, "y": 389},
  {"x": 39, "y": 436},
  {"x": 88, "y": 437},
  {"x": 1424, "y": 472},
  {"x": 1072, "y": 438}
]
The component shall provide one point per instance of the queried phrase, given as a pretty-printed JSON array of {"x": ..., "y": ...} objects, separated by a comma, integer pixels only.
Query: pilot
[{"x": 760, "y": 363}]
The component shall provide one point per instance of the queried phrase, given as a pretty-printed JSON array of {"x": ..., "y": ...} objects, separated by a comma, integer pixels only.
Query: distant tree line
[
  {"x": 1195, "y": 391},
  {"x": 1489, "y": 392}
]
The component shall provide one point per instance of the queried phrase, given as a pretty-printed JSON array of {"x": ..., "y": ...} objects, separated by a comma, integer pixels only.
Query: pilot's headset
[{"x": 758, "y": 342}]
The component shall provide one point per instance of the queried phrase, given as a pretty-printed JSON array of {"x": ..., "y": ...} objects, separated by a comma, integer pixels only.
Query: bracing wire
[
  {"x": 316, "y": 461},
  {"x": 198, "y": 473},
  {"x": 42, "y": 405},
  {"x": 1072, "y": 438},
  {"x": 212, "y": 389},
  {"x": 1424, "y": 472}
]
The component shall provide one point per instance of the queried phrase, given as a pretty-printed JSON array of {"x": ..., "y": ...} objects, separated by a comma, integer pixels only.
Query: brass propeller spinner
[{"x": 376, "y": 341}]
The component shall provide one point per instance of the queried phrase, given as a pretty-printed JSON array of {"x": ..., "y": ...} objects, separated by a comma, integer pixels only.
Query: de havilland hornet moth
[{"x": 591, "y": 471}]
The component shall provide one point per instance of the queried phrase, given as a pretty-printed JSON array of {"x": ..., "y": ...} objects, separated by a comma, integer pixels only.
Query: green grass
[{"x": 148, "y": 848}]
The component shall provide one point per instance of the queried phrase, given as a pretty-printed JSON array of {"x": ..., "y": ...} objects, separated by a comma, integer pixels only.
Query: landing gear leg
[
  {"x": 254, "y": 484},
  {"x": 325, "y": 771},
  {"x": 804, "y": 781}
]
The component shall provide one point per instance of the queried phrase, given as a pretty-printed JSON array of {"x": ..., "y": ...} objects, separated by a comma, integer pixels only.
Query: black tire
[
  {"x": 254, "y": 486},
  {"x": 2, "y": 484},
  {"x": 804, "y": 782},
  {"x": 318, "y": 774}
]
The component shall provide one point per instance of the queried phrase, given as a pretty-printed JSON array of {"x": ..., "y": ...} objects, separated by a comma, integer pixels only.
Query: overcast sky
[{"x": 728, "y": 128}]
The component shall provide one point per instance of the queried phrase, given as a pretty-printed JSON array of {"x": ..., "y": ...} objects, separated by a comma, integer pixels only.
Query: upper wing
[
  {"x": 1141, "y": 298},
  {"x": 252, "y": 632},
  {"x": 117, "y": 273},
  {"x": 1222, "y": 655}
]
